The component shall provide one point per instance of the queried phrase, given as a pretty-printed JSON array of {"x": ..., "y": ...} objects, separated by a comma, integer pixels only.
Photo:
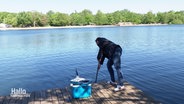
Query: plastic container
[{"x": 81, "y": 89}]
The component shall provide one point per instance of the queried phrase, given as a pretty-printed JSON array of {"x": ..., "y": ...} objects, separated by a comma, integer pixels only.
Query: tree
[
  {"x": 149, "y": 18},
  {"x": 124, "y": 15},
  {"x": 38, "y": 19},
  {"x": 136, "y": 18},
  {"x": 43, "y": 20},
  {"x": 34, "y": 18},
  {"x": 3, "y": 16},
  {"x": 49, "y": 14},
  {"x": 101, "y": 18},
  {"x": 87, "y": 17},
  {"x": 24, "y": 19},
  {"x": 76, "y": 19},
  {"x": 11, "y": 19},
  {"x": 162, "y": 18},
  {"x": 110, "y": 19},
  {"x": 59, "y": 19},
  {"x": 118, "y": 17},
  {"x": 171, "y": 17},
  {"x": 181, "y": 16},
  {"x": 178, "y": 18}
]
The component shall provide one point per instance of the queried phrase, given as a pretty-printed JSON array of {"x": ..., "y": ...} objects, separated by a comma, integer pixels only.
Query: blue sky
[{"x": 106, "y": 6}]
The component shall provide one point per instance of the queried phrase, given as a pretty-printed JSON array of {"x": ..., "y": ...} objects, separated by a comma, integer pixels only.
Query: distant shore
[{"x": 87, "y": 26}]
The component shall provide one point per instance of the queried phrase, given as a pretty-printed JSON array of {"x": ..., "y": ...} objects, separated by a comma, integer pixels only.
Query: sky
[{"x": 106, "y": 6}]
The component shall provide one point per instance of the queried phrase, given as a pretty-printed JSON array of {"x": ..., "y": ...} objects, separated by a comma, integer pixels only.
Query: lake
[{"x": 152, "y": 59}]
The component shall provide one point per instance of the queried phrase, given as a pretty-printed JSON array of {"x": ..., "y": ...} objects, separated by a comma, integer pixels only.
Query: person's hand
[{"x": 99, "y": 61}]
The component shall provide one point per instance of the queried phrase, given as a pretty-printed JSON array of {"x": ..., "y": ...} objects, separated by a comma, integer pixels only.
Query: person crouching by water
[{"x": 111, "y": 51}]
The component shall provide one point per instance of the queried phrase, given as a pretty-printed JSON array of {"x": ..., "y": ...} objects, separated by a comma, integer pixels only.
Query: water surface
[{"x": 152, "y": 58}]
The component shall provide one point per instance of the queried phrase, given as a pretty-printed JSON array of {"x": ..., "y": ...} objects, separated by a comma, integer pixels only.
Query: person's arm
[
  {"x": 100, "y": 53},
  {"x": 100, "y": 57}
]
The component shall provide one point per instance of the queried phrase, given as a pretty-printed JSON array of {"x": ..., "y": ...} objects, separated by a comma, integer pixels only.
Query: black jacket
[{"x": 106, "y": 49}]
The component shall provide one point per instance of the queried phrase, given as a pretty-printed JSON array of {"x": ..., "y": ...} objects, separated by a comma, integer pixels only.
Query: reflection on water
[{"x": 152, "y": 58}]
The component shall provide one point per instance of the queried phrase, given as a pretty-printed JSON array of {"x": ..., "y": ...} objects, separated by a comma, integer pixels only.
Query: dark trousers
[{"x": 116, "y": 60}]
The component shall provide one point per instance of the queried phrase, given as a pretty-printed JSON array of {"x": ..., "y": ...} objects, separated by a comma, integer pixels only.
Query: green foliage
[
  {"x": 171, "y": 17},
  {"x": 110, "y": 19},
  {"x": 38, "y": 19},
  {"x": 76, "y": 19},
  {"x": 86, "y": 17},
  {"x": 101, "y": 18},
  {"x": 59, "y": 19},
  {"x": 11, "y": 19},
  {"x": 24, "y": 19},
  {"x": 118, "y": 17},
  {"x": 149, "y": 18},
  {"x": 3, "y": 15}
]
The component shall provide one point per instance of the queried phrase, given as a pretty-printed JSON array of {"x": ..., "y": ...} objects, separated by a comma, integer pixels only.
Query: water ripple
[{"x": 152, "y": 58}]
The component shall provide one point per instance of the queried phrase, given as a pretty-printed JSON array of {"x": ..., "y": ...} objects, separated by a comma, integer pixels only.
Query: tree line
[{"x": 86, "y": 17}]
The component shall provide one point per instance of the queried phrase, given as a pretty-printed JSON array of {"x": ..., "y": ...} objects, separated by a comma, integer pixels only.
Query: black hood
[{"x": 101, "y": 40}]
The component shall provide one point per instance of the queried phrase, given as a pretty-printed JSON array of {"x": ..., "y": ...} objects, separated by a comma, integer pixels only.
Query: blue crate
[{"x": 81, "y": 90}]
